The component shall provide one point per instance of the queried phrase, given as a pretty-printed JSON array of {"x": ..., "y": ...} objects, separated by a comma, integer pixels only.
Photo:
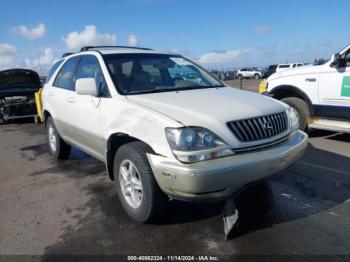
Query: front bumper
[{"x": 219, "y": 178}]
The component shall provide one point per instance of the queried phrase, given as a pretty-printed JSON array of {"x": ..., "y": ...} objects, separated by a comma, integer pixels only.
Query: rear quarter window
[{"x": 53, "y": 70}]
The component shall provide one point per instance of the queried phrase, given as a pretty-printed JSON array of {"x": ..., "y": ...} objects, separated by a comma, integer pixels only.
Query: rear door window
[{"x": 65, "y": 78}]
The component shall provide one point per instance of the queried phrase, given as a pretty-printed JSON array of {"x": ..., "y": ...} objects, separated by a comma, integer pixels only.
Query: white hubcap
[
  {"x": 52, "y": 138},
  {"x": 130, "y": 183}
]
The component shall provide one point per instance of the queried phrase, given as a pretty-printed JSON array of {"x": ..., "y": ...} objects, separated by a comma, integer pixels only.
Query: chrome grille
[{"x": 259, "y": 128}]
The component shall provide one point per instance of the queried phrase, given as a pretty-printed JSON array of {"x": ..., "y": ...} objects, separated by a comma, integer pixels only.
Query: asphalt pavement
[{"x": 50, "y": 207}]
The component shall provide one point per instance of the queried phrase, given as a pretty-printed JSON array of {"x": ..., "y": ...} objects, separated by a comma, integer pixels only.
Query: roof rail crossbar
[{"x": 86, "y": 48}]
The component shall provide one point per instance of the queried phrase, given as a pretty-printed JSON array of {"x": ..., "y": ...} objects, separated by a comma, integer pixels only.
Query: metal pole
[{"x": 240, "y": 83}]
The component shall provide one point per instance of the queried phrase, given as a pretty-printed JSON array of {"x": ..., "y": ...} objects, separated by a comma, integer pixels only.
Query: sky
[{"x": 217, "y": 34}]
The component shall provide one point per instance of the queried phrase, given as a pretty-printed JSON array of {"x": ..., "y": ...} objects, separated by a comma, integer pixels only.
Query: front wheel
[
  {"x": 57, "y": 147},
  {"x": 138, "y": 191},
  {"x": 302, "y": 108},
  {"x": 240, "y": 77},
  {"x": 257, "y": 76}
]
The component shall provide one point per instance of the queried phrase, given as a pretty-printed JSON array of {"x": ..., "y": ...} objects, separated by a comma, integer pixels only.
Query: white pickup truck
[
  {"x": 319, "y": 93},
  {"x": 162, "y": 135}
]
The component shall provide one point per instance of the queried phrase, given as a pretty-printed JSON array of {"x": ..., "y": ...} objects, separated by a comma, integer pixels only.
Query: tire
[
  {"x": 302, "y": 108},
  {"x": 150, "y": 202},
  {"x": 240, "y": 77},
  {"x": 57, "y": 147},
  {"x": 256, "y": 76}
]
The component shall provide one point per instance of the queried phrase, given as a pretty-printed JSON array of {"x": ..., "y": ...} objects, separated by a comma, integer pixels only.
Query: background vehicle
[
  {"x": 230, "y": 74},
  {"x": 270, "y": 70},
  {"x": 282, "y": 67},
  {"x": 17, "y": 88},
  {"x": 161, "y": 135},
  {"x": 248, "y": 73},
  {"x": 218, "y": 74},
  {"x": 320, "y": 93}
]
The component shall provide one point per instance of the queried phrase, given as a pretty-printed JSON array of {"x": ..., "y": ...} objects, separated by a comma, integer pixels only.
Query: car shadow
[{"x": 316, "y": 183}]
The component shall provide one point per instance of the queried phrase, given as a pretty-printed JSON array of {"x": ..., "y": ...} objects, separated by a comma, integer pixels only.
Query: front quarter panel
[
  {"x": 120, "y": 115},
  {"x": 304, "y": 79}
]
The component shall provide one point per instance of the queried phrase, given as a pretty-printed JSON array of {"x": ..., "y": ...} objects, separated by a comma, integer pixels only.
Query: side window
[
  {"x": 284, "y": 66},
  {"x": 347, "y": 57},
  {"x": 89, "y": 68},
  {"x": 65, "y": 78}
]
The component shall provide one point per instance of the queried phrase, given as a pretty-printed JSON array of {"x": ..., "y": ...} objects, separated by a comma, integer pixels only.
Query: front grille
[{"x": 259, "y": 128}]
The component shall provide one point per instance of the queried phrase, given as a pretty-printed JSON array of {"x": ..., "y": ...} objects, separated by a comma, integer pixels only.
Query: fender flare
[
  {"x": 289, "y": 91},
  {"x": 114, "y": 142}
]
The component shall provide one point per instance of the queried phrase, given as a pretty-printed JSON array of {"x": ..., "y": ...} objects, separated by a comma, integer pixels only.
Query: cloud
[
  {"x": 6, "y": 50},
  {"x": 132, "y": 40},
  {"x": 216, "y": 57},
  {"x": 43, "y": 63},
  {"x": 6, "y": 55},
  {"x": 263, "y": 29},
  {"x": 30, "y": 33},
  {"x": 89, "y": 36}
]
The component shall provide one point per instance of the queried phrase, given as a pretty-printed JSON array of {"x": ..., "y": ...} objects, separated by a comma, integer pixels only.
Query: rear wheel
[
  {"x": 240, "y": 77},
  {"x": 302, "y": 108},
  {"x": 57, "y": 147},
  {"x": 257, "y": 76},
  {"x": 138, "y": 191}
]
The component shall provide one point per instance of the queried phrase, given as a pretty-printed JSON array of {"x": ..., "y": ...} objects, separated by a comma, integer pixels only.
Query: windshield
[{"x": 153, "y": 73}]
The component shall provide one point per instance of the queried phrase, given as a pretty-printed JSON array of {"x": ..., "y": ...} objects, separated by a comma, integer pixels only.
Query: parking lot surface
[{"x": 71, "y": 207}]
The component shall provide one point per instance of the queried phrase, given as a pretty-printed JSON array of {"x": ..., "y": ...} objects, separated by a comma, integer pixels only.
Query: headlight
[
  {"x": 293, "y": 118},
  {"x": 194, "y": 144}
]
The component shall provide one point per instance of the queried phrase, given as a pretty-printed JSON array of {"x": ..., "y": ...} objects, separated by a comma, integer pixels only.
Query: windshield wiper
[
  {"x": 196, "y": 87},
  {"x": 150, "y": 91},
  {"x": 160, "y": 90}
]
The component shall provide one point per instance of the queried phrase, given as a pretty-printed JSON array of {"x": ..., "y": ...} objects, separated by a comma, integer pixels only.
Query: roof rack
[
  {"x": 66, "y": 54},
  {"x": 86, "y": 48}
]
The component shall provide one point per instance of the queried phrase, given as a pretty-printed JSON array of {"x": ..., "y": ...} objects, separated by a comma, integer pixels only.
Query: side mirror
[
  {"x": 338, "y": 61},
  {"x": 86, "y": 86}
]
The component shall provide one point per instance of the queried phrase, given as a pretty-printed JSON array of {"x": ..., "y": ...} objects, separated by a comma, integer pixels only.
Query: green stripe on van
[{"x": 345, "y": 89}]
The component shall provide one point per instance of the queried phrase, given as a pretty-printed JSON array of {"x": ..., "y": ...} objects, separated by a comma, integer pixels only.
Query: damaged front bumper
[
  {"x": 217, "y": 179},
  {"x": 17, "y": 107}
]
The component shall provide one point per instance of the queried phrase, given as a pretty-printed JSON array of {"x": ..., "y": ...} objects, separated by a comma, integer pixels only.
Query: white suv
[
  {"x": 162, "y": 135},
  {"x": 248, "y": 73},
  {"x": 320, "y": 93}
]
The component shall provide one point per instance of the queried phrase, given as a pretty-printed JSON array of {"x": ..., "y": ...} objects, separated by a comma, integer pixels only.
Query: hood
[
  {"x": 19, "y": 78},
  {"x": 306, "y": 69},
  {"x": 212, "y": 105}
]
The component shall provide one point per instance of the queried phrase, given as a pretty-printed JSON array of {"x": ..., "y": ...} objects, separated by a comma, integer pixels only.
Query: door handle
[
  {"x": 71, "y": 100},
  {"x": 310, "y": 79}
]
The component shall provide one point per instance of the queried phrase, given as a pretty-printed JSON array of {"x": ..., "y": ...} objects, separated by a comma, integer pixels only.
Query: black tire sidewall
[
  {"x": 48, "y": 123},
  {"x": 142, "y": 213},
  {"x": 302, "y": 109}
]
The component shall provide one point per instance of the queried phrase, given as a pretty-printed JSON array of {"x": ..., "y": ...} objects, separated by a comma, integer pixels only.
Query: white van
[
  {"x": 282, "y": 67},
  {"x": 319, "y": 93}
]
